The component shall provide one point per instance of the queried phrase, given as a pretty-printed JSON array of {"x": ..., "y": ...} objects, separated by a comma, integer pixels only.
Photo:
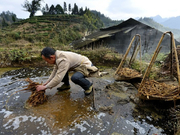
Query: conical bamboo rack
[
  {"x": 150, "y": 89},
  {"x": 126, "y": 73}
]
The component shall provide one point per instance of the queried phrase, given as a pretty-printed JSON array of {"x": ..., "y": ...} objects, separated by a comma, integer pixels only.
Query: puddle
[{"x": 72, "y": 113}]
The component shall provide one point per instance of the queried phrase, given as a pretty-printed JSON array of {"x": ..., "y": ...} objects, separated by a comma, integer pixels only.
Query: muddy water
[{"x": 116, "y": 111}]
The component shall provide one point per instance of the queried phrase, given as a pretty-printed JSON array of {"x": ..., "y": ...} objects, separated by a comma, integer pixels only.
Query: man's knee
[
  {"x": 74, "y": 79},
  {"x": 77, "y": 77}
]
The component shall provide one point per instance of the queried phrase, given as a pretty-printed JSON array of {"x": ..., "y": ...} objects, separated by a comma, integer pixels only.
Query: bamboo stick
[
  {"x": 150, "y": 65},
  {"x": 153, "y": 60},
  {"x": 171, "y": 58},
  {"x": 135, "y": 54},
  {"x": 140, "y": 55},
  {"x": 177, "y": 61},
  {"x": 134, "y": 51}
]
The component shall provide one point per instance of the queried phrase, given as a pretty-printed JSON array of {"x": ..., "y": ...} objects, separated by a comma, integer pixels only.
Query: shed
[{"x": 119, "y": 37}]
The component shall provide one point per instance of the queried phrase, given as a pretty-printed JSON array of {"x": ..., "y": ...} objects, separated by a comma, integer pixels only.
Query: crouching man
[{"x": 65, "y": 61}]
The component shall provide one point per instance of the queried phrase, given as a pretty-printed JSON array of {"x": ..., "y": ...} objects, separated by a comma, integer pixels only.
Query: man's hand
[{"x": 40, "y": 87}]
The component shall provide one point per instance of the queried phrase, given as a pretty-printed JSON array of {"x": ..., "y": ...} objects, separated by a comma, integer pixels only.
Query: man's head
[{"x": 48, "y": 54}]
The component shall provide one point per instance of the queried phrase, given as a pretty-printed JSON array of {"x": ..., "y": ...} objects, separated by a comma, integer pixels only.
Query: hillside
[
  {"x": 23, "y": 40},
  {"x": 171, "y": 22},
  {"x": 106, "y": 20},
  {"x": 159, "y": 19},
  {"x": 7, "y": 18},
  {"x": 174, "y": 20},
  {"x": 160, "y": 27}
]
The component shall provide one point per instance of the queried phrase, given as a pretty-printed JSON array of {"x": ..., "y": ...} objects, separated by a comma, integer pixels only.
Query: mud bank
[{"x": 113, "y": 109}]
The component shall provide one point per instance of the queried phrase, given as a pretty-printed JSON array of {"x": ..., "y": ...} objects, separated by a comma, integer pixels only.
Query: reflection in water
[
  {"x": 69, "y": 112},
  {"x": 63, "y": 112}
]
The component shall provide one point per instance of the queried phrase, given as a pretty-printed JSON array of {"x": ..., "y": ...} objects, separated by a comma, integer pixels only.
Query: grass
[
  {"x": 100, "y": 57},
  {"x": 38, "y": 29}
]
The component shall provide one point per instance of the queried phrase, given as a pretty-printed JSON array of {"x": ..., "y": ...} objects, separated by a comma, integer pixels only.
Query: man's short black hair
[{"x": 47, "y": 52}]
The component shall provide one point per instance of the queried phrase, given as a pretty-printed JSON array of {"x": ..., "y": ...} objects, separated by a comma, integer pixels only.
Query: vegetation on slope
[
  {"x": 106, "y": 20},
  {"x": 152, "y": 23},
  {"x": 23, "y": 40}
]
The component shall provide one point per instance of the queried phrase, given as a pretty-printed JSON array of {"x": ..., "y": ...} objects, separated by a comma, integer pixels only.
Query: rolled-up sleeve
[{"x": 62, "y": 68}]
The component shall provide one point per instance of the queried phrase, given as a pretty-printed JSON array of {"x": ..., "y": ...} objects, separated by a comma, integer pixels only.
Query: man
[{"x": 65, "y": 61}]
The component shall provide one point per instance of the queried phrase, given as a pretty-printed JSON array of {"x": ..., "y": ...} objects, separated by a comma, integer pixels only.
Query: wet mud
[{"x": 112, "y": 109}]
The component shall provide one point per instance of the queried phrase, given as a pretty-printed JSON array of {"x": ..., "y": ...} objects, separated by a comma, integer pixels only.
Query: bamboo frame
[
  {"x": 135, "y": 54},
  {"x": 136, "y": 49},
  {"x": 173, "y": 48}
]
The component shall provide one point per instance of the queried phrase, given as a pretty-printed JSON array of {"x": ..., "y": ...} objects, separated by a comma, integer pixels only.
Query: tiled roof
[{"x": 125, "y": 27}]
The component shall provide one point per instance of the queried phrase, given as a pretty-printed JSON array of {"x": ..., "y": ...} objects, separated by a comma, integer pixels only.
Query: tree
[
  {"x": 75, "y": 10},
  {"x": 52, "y": 10},
  {"x": 13, "y": 18},
  {"x": 81, "y": 12},
  {"x": 59, "y": 9},
  {"x": 32, "y": 7},
  {"x": 65, "y": 7},
  {"x": 86, "y": 10},
  {"x": 69, "y": 8},
  {"x": 4, "y": 23},
  {"x": 45, "y": 10}
]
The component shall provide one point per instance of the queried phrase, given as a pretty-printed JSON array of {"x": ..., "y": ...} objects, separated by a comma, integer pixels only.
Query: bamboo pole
[
  {"x": 153, "y": 60},
  {"x": 176, "y": 56},
  {"x": 151, "y": 63},
  {"x": 94, "y": 104},
  {"x": 134, "y": 52},
  {"x": 140, "y": 54},
  {"x": 171, "y": 58}
]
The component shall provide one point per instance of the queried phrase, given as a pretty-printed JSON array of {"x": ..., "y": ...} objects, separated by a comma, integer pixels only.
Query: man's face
[{"x": 50, "y": 60}]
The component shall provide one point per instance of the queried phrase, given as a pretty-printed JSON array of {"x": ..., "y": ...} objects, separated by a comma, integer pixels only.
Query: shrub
[
  {"x": 18, "y": 55},
  {"x": 146, "y": 57},
  {"x": 14, "y": 35}
]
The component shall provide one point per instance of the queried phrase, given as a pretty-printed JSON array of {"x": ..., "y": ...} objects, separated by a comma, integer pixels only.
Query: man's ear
[{"x": 52, "y": 56}]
